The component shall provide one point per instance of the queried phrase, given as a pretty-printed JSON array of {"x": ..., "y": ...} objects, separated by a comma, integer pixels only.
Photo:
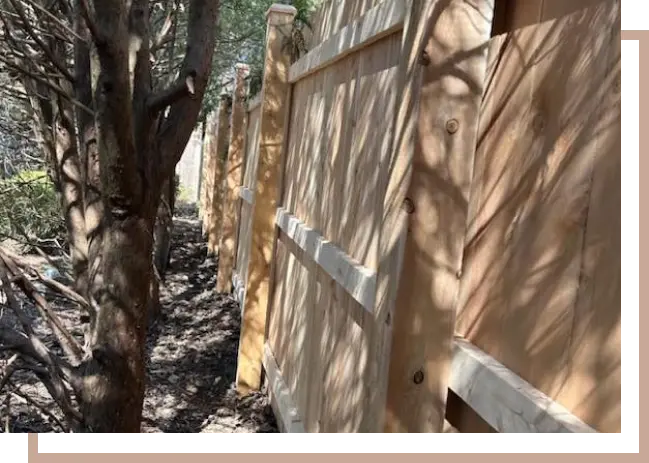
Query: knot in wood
[
  {"x": 452, "y": 126},
  {"x": 408, "y": 205},
  {"x": 538, "y": 123},
  {"x": 424, "y": 58}
]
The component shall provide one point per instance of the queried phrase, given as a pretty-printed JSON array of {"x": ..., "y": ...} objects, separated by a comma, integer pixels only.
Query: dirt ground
[{"x": 192, "y": 354}]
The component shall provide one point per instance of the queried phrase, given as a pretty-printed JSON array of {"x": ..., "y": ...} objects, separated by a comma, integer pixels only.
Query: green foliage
[
  {"x": 30, "y": 210},
  {"x": 241, "y": 39}
]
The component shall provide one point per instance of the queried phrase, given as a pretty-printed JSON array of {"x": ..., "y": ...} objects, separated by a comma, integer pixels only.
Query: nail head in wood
[
  {"x": 452, "y": 126},
  {"x": 424, "y": 59},
  {"x": 418, "y": 377},
  {"x": 408, "y": 205}
]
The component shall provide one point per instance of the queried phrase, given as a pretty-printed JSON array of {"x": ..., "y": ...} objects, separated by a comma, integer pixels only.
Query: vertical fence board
[
  {"x": 273, "y": 117},
  {"x": 218, "y": 194},
  {"x": 234, "y": 169},
  {"x": 452, "y": 86}
]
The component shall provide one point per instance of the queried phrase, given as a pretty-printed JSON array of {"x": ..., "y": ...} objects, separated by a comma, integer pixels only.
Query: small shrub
[{"x": 30, "y": 210}]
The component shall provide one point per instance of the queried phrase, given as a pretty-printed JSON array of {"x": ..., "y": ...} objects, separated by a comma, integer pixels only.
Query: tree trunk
[
  {"x": 164, "y": 227},
  {"x": 114, "y": 378},
  {"x": 70, "y": 184}
]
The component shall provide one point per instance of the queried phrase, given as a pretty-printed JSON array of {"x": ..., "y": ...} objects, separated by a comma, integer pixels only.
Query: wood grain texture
[
  {"x": 444, "y": 144},
  {"x": 540, "y": 291},
  {"x": 267, "y": 177},
  {"x": 234, "y": 169},
  {"x": 215, "y": 223}
]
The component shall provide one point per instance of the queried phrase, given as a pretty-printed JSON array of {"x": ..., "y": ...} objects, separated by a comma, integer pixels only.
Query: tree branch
[
  {"x": 183, "y": 114},
  {"x": 46, "y": 82},
  {"x": 182, "y": 88},
  {"x": 70, "y": 346},
  {"x": 41, "y": 408},
  {"x": 54, "y": 18},
  {"x": 43, "y": 46},
  {"x": 87, "y": 16}
]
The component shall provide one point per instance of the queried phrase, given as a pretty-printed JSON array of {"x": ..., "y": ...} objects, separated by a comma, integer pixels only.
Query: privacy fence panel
[{"x": 445, "y": 183}]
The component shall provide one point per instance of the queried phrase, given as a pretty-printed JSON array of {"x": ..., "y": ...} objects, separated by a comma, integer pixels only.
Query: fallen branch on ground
[{"x": 30, "y": 354}]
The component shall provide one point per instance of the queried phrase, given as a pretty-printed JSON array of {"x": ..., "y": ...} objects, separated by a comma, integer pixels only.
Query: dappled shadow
[
  {"x": 536, "y": 210},
  {"x": 340, "y": 131},
  {"x": 541, "y": 284}
]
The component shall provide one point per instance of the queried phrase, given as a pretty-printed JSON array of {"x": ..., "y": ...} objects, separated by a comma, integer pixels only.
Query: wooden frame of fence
[{"x": 398, "y": 303}]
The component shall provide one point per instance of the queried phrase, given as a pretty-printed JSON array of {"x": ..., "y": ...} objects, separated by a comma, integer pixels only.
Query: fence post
[
  {"x": 275, "y": 100},
  {"x": 207, "y": 181},
  {"x": 421, "y": 266},
  {"x": 215, "y": 206},
  {"x": 234, "y": 169}
]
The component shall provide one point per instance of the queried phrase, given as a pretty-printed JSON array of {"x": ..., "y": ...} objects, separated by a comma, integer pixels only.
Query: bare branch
[
  {"x": 43, "y": 46},
  {"x": 30, "y": 347},
  {"x": 164, "y": 34},
  {"x": 54, "y": 285},
  {"x": 40, "y": 407},
  {"x": 71, "y": 346},
  {"x": 88, "y": 17},
  {"x": 182, "y": 88},
  {"x": 8, "y": 371},
  {"x": 46, "y": 82},
  {"x": 54, "y": 18}
]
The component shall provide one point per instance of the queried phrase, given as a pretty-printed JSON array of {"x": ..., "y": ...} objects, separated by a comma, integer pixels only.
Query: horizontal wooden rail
[
  {"x": 239, "y": 288},
  {"x": 246, "y": 194},
  {"x": 357, "y": 280},
  {"x": 505, "y": 400},
  {"x": 381, "y": 21},
  {"x": 281, "y": 401}
]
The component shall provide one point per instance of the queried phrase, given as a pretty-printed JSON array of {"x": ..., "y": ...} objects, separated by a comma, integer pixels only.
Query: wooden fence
[{"x": 429, "y": 218}]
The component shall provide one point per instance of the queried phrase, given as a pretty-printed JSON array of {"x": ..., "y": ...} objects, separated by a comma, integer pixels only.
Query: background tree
[
  {"x": 113, "y": 126},
  {"x": 112, "y": 94}
]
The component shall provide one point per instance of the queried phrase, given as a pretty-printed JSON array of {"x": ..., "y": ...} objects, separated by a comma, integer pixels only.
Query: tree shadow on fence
[{"x": 538, "y": 219}]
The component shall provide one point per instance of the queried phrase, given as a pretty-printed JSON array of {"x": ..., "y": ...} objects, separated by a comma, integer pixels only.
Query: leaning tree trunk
[
  {"x": 137, "y": 144},
  {"x": 114, "y": 378},
  {"x": 162, "y": 246},
  {"x": 164, "y": 227}
]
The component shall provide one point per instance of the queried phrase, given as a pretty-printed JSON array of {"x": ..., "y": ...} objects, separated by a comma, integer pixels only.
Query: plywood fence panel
[{"x": 549, "y": 123}]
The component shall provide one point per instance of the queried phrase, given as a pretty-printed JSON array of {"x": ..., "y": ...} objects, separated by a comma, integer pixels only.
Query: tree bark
[
  {"x": 114, "y": 378},
  {"x": 164, "y": 228},
  {"x": 113, "y": 184}
]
